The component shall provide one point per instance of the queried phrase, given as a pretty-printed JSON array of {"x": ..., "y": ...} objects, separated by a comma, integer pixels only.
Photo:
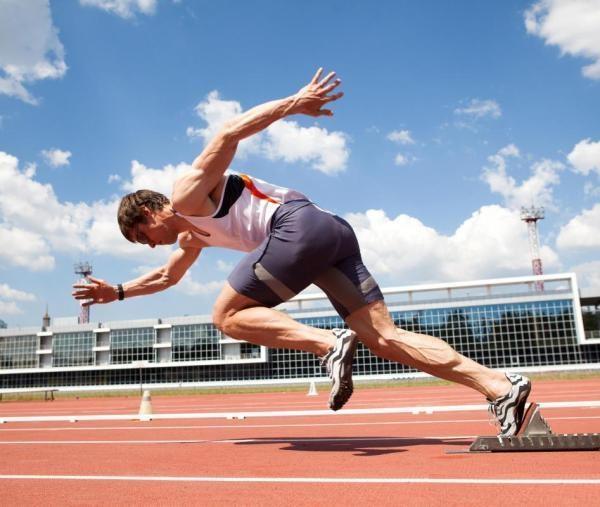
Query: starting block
[{"x": 535, "y": 435}]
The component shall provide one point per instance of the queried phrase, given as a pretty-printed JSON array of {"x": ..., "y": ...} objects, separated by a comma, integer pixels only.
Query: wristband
[{"x": 120, "y": 292}]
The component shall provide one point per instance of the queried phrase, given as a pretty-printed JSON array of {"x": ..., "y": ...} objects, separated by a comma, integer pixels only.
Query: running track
[{"x": 384, "y": 459}]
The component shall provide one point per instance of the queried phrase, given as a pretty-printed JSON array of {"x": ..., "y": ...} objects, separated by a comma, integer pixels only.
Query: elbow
[
  {"x": 167, "y": 280},
  {"x": 229, "y": 133}
]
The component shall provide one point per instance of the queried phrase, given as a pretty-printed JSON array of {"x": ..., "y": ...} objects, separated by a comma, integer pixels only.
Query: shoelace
[{"x": 492, "y": 419}]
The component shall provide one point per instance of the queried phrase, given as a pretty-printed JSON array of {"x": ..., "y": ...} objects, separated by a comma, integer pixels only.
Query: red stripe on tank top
[{"x": 255, "y": 191}]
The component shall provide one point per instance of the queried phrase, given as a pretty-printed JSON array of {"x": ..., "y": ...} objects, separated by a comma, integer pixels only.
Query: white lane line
[
  {"x": 315, "y": 480},
  {"x": 67, "y": 442},
  {"x": 342, "y": 439},
  {"x": 244, "y": 426},
  {"x": 241, "y": 426},
  {"x": 165, "y": 405},
  {"x": 289, "y": 413},
  {"x": 6, "y": 411},
  {"x": 236, "y": 441}
]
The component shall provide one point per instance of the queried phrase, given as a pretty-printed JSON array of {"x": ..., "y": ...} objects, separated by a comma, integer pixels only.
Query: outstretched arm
[
  {"x": 99, "y": 291},
  {"x": 215, "y": 158}
]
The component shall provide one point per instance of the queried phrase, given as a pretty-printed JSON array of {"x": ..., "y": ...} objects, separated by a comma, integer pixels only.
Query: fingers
[
  {"x": 327, "y": 78},
  {"x": 335, "y": 96},
  {"x": 317, "y": 75},
  {"x": 331, "y": 86},
  {"x": 324, "y": 112}
]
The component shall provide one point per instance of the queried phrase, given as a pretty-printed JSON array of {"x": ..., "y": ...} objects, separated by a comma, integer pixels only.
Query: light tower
[
  {"x": 530, "y": 216},
  {"x": 84, "y": 269}
]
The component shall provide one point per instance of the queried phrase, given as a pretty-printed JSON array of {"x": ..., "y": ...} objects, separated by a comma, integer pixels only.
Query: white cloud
[
  {"x": 215, "y": 112},
  {"x": 585, "y": 157},
  {"x": 27, "y": 250},
  {"x": 24, "y": 202},
  {"x": 284, "y": 140},
  {"x": 191, "y": 287},
  {"x": 492, "y": 242},
  {"x": 582, "y": 231},
  {"x": 6, "y": 292},
  {"x": 401, "y": 159},
  {"x": 591, "y": 190},
  {"x": 9, "y": 308},
  {"x": 29, "y": 47},
  {"x": 326, "y": 151},
  {"x": 477, "y": 108},
  {"x": 226, "y": 267},
  {"x": 588, "y": 275},
  {"x": 123, "y": 8},
  {"x": 159, "y": 180},
  {"x": 36, "y": 223},
  {"x": 537, "y": 189},
  {"x": 572, "y": 25},
  {"x": 113, "y": 177},
  {"x": 401, "y": 137},
  {"x": 56, "y": 158}
]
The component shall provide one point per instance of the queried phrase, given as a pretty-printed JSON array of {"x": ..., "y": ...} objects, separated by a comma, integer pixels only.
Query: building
[{"x": 503, "y": 323}]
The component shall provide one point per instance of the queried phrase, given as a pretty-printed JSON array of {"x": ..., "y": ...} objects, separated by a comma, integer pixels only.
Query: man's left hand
[{"x": 311, "y": 99}]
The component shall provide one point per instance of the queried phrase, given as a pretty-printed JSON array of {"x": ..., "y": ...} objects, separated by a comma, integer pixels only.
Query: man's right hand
[
  {"x": 97, "y": 291},
  {"x": 310, "y": 99}
]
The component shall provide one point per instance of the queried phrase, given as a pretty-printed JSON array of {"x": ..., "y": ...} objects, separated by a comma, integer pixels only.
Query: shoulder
[{"x": 188, "y": 240}]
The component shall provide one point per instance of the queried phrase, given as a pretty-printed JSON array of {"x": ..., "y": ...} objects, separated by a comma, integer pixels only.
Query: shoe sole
[{"x": 342, "y": 368}]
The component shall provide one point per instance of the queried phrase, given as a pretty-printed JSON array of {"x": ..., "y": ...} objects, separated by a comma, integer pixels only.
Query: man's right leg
[{"x": 246, "y": 319}]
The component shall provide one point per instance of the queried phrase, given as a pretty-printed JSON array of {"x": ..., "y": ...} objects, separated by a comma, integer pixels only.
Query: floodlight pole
[{"x": 530, "y": 216}]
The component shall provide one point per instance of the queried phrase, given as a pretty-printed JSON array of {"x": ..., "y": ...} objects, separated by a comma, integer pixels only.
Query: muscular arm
[
  {"x": 99, "y": 291},
  {"x": 195, "y": 186}
]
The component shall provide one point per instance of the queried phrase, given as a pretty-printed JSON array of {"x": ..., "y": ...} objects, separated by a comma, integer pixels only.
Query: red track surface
[{"x": 201, "y": 454}]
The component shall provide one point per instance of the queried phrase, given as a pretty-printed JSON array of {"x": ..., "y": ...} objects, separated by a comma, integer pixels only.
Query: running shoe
[
  {"x": 508, "y": 409},
  {"x": 338, "y": 362}
]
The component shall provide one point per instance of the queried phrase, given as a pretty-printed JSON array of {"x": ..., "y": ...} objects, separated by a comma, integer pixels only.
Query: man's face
[{"x": 155, "y": 231}]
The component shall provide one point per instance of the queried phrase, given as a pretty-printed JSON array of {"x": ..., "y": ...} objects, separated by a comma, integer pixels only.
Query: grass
[{"x": 281, "y": 388}]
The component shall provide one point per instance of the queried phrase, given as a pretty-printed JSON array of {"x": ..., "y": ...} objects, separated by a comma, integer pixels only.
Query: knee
[{"x": 222, "y": 319}]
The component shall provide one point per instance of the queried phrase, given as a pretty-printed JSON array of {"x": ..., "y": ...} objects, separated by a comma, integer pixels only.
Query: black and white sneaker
[
  {"x": 508, "y": 409},
  {"x": 338, "y": 362}
]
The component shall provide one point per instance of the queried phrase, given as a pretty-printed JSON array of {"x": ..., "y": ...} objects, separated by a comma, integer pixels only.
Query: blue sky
[{"x": 455, "y": 114}]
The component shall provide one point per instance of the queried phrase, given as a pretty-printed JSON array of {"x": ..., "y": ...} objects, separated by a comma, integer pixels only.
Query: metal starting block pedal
[{"x": 535, "y": 435}]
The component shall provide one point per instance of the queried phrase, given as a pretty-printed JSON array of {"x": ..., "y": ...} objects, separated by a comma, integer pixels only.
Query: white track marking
[
  {"x": 132, "y": 442},
  {"x": 288, "y": 413},
  {"x": 249, "y": 426},
  {"x": 7, "y": 410},
  {"x": 235, "y": 441},
  {"x": 314, "y": 480}
]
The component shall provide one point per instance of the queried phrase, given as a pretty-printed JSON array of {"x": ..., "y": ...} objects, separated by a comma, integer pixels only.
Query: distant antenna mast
[
  {"x": 84, "y": 269},
  {"x": 530, "y": 216}
]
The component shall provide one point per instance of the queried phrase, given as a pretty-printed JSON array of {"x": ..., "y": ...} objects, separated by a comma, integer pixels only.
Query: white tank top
[{"x": 242, "y": 219}]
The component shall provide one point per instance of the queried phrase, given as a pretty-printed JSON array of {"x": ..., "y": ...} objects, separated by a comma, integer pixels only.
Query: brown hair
[{"x": 130, "y": 209}]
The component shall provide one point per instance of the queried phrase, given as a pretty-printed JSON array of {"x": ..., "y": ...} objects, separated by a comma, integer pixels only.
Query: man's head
[{"x": 143, "y": 217}]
